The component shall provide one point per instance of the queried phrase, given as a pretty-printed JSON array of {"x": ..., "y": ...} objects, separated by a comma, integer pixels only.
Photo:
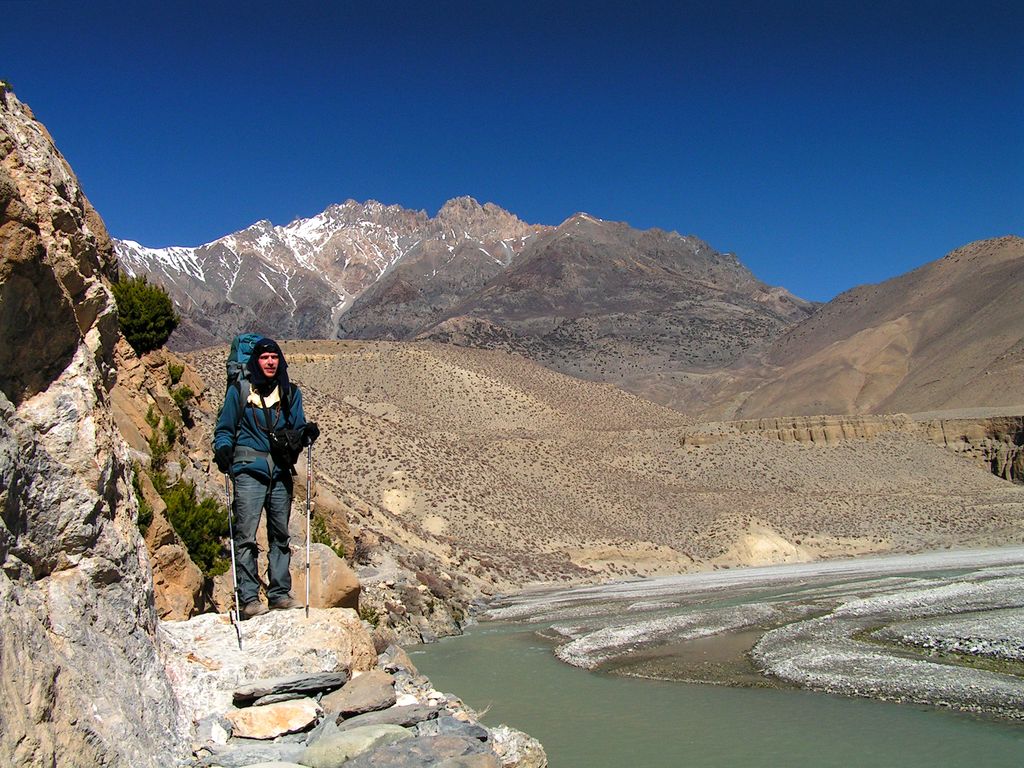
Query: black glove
[
  {"x": 224, "y": 456},
  {"x": 310, "y": 432}
]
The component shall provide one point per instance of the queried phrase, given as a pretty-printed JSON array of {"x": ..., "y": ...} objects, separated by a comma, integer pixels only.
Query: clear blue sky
[{"x": 826, "y": 144}]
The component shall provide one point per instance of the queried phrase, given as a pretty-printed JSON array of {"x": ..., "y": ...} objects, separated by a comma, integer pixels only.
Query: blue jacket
[{"x": 252, "y": 430}]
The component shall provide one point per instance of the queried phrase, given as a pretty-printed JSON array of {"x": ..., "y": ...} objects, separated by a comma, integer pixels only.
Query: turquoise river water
[{"x": 593, "y": 720}]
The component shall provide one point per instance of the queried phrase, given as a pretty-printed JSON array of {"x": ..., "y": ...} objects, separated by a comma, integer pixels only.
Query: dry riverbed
[{"x": 945, "y": 628}]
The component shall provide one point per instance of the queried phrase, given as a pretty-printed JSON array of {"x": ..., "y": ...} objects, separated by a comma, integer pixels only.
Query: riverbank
[{"x": 942, "y": 629}]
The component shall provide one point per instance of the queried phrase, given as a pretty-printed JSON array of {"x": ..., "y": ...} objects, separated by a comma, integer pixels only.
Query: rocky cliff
[
  {"x": 819, "y": 430},
  {"x": 80, "y": 677},
  {"x": 995, "y": 442}
]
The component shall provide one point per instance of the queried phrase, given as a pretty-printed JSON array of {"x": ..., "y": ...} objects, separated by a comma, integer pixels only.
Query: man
[{"x": 262, "y": 476}]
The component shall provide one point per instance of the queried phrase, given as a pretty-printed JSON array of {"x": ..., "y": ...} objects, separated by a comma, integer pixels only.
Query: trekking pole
[
  {"x": 309, "y": 475},
  {"x": 236, "y": 614}
]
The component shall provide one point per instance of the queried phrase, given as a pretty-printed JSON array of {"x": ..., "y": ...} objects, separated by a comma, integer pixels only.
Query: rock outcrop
[
  {"x": 819, "y": 430},
  {"x": 313, "y": 692},
  {"x": 80, "y": 679},
  {"x": 994, "y": 442},
  {"x": 144, "y": 396}
]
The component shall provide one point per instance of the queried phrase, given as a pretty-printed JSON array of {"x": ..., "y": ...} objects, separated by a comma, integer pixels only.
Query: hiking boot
[
  {"x": 284, "y": 604},
  {"x": 253, "y": 608}
]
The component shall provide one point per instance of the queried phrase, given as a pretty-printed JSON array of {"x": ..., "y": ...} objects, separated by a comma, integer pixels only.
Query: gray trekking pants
[{"x": 252, "y": 495}]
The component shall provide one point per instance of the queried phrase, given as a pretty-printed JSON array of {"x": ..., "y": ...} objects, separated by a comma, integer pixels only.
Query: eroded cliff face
[
  {"x": 80, "y": 681},
  {"x": 995, "y": 442}
]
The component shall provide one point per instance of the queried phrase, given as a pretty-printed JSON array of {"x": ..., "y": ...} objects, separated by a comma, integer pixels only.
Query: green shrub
[
  {"x": 368, "y": 614},
  {"x": 152, "y": 418},
  {"x": 145, "y": 510},
  {"x": 181, "y": 395},
  {"x": 170, "y": 429},
  {"x": 175, "y": 371},
  {"x": 145, "y": 312},
  {"x": 200, "y": 524},
  {"x": 158, "y": 450},
  {"x": 319, "y": 534}
]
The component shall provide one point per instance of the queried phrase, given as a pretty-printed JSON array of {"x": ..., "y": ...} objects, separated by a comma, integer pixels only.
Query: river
[{"x": 595, "y": 719}]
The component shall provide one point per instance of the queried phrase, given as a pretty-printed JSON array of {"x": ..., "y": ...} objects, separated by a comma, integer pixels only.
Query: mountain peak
[
  {"x": 465, "y": 217},
  {"x": 461, "y": 203},
  {"x": 581, "y": 217}
]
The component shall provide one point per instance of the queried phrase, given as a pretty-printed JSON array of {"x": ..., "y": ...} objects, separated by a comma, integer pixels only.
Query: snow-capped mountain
[{"x": 297, "y": 280}]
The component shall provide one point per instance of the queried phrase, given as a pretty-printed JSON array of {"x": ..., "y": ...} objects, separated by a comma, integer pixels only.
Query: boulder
[
  {"x": 394, "y": 659},
  {"x": 272, "y": 720},
  {"x": 336, "y": 749},
  {"x": 368, "y": 692},
  {"x": 408, "y": 715},
  {"x": 206, "y": 665},
  {"x": 429, "y": 751},
  {"x": 333, "y": 583},
  {"x": 250, "y": 753},
  {"x": 517, "y": 749},
  {"x": 450, "y": 726}
]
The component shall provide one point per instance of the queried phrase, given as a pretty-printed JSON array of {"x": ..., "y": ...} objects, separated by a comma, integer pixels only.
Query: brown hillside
[
  {"x": 949, "y": 335},
  {"x": 509, "y": 471}
]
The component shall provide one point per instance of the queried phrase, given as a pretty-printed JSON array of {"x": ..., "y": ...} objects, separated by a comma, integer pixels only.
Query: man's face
[{"x": 268, "y": 364}]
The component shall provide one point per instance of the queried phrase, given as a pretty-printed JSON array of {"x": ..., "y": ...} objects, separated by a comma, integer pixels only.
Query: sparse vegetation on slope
[{"x": 507, "y": 472}]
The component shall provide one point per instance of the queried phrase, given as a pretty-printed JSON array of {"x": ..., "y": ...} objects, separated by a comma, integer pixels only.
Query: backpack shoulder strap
[
  {"x": 287, "y": 397},
  {"x": 244, "y": 388}
]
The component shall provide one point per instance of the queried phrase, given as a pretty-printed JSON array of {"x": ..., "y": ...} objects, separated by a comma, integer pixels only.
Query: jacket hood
[{"x": 259, "y": 380}]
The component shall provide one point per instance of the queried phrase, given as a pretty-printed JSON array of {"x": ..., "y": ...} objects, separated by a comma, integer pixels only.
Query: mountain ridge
[
  {"x": 943, "y": 336},
  {"x": 659, "y": 314},
  {"x": 607, "y": 302},
  {"x": 260, "y": 276}
]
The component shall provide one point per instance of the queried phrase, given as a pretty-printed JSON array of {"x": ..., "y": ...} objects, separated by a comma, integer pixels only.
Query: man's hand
[
  {"x": 310, "y": 433},
  {"x": 224, "y": 458}
]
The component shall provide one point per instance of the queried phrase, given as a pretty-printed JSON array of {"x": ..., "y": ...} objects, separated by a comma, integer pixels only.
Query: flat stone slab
[
  {"x": 292, "y": 684},
  {"x": 429, "y": 751},
  {"x": 333, "y": 750},
  {"x": 369, "y": 692},
  {"x": 406, "y": 716},
  {"x": 449, "y": 726},
  {"x": 247, "y": 756},
  {"x": 269, "y": 721}
]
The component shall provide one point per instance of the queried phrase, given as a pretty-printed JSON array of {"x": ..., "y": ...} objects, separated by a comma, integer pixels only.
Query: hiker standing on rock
[{"x": 260, "y": 433}]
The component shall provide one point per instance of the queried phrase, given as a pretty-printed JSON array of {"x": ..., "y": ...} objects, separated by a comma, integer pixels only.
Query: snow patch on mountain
[
  {"x": 134, "y": 255},
  {"x": 314, "y": 267}
]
